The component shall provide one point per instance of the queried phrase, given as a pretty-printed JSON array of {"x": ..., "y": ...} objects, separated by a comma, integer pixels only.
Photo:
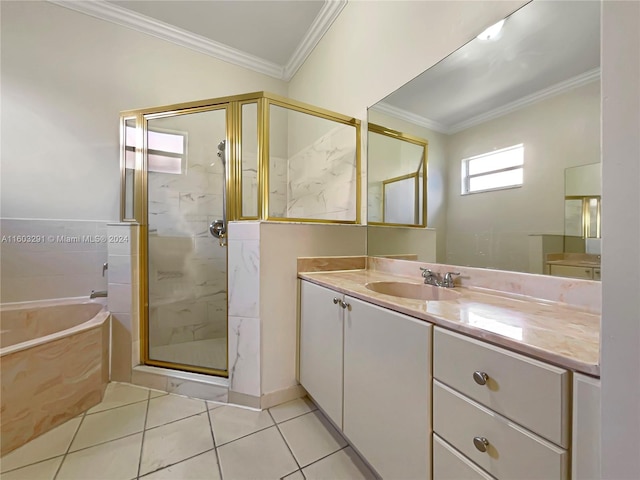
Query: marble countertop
[{"x": 558, "y": 333}]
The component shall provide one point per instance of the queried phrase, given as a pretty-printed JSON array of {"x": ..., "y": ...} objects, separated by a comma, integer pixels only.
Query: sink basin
[{"x": 416, "y": 291}]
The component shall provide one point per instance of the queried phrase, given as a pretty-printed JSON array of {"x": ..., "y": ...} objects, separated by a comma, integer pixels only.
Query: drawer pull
[
  {"x": 336, "y": 300},
  {"x": 481, "y": 443},
  {"x": 344, "y": 304},
  {"x": 480, "y": 378}
]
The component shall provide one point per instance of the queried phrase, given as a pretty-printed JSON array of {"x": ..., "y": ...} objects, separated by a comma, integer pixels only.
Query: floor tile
[
  {"x": 169, "y": 408},
  {"x": 51, "y": 444},
  {"x": 231, "y": 423},
  {"x": 117, "y": 459},
  {"x": 175, "y": 442},
  {"x": 157, "y": 393},
  {"x": 263, "y": 455},
  {"x": 40, "y": 471},
  {"x": 311, "y": 437},
  {"x": 204, "y": 466},
  {"x": 292, "y": 409},
  {"x": 109, "y": 425},
  {"x": 294, "y": 476},
  {"x": 342, "y": 465},
  {"x": 213, "y": 405},
  {"x": 119, "y": 394}
]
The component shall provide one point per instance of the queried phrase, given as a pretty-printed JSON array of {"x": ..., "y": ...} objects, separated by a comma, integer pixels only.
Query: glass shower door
[{"x": 186, "y": 265}]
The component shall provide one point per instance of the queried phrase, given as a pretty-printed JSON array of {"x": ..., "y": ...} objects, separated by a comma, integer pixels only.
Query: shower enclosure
[{"x": 187, "y": 169}]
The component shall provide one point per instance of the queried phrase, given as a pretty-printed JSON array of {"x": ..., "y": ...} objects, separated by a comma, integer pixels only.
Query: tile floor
[{"x": 140, "y": 433}]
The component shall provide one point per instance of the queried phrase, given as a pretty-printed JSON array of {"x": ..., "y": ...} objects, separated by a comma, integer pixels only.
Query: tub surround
[
  {"x": 48, "y": 259},
  {"x": 49, "y": 379},
  {"x": 553, "y": 319}
]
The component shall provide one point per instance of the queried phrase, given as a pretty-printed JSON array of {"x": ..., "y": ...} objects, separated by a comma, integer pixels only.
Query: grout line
[
  {"x": 245, "y": 436},
  {"x": 285, "y": 442},
  {"x": 144, "y": 429},
  {"x": 172, "y": 421},
  {"x": 326, "y": 456},
  {"x": 117, "y": 406},
  {"x": 213, "y": 436},
  {"x": 293, "y": 418},
  {"x": 176, "y": 463},
  {"x": 69, "y": 447}
]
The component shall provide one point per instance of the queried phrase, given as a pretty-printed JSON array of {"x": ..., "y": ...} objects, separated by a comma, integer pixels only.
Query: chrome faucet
[
  {"x": 431, "y": 278},
  {"x": 448, "y": 279},
  {"x": 95, "y": 294}
]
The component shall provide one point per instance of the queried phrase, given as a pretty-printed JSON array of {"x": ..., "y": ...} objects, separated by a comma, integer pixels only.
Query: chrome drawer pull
[
  {"x": 336, "y": 300},
  {"x": 344, "y": 304},
  {"x": 481, "y": 443},
  {"x": 480, "y": 378}
]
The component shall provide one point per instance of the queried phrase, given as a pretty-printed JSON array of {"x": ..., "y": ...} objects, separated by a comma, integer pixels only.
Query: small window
[
  {"x": 494, "y": 170},
  {"x": 166, "y": 150}
]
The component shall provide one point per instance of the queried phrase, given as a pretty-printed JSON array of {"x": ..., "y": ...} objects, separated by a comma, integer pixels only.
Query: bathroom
[{"x": 66, "y": 77}]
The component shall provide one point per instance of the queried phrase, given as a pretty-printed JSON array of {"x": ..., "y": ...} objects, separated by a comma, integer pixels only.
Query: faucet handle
[{"x": 448, "y": 278}]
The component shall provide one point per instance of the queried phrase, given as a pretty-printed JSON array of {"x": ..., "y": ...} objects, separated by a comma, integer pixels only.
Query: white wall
[
  {"x": 620, "y": 355},
  {"x": 65, "y": 78},
  {"x": 491, "y": 229}
]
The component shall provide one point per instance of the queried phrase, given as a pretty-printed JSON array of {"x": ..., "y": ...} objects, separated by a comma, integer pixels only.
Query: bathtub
[{"x": 54, "y": 364}]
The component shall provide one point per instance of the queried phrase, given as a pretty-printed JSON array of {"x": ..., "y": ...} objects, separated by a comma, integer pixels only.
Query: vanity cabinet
[
  {"x": 585, "y": 450},
  {"x": 383, "y": 360},
  {"x": 570, "y": 271},
  {"x": 507, "y": 413},
  {"x": 321, "y": 340},
  {"x": 387, "y": 382}
]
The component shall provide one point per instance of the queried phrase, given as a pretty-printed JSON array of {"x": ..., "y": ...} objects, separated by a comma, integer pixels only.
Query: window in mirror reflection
[{"x": 494, "y": 170}]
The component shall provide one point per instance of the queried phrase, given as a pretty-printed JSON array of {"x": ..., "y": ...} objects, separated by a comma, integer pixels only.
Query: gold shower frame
[
  {"x": 233, "y": 106},
  {"x": 388, "y": 132}
]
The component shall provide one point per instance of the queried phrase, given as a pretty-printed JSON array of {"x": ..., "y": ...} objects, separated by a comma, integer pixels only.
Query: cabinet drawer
[
  {"x": 571, "y": 271},
  {"x": 511, "y": 453},
  {"x": 529, "y": 392},
  {"x": 449, "y": 464}
]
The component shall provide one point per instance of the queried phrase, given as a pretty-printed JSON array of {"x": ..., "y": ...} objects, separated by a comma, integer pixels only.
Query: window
[
  {"x": 166, "y": 150},
  {"x": 494, "y": 170}
]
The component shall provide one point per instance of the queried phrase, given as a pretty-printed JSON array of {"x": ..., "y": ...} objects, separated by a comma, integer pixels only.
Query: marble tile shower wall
[
  {"x": 187, "y": 267},
  {"x": 43, "y": 259},
  {"x": 322, "y": 178},
  {"x": 277, "y": 186}
]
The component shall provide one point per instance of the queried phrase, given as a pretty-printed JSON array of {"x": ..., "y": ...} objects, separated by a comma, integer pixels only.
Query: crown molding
[
  {"x": 321, "y": 24},
  {"x": 562, "y": 87},
  {"x": 410, "y": 117},
  {"x": 141, "y": 23}
]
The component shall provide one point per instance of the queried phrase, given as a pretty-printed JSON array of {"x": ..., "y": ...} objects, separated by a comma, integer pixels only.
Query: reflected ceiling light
[{"x": 492, "y": 32}]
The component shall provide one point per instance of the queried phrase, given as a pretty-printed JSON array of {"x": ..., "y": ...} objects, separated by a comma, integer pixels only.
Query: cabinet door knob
[
  {"x": 481, "y": 443},
  {"x": 336, "y": 300},
  {"x": 480, "y": 377},
  {"x": 344, "y": 304}
]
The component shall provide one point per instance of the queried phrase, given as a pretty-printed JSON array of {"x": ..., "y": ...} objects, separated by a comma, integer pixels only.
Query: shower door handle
[{"x": 217, "y": 229}]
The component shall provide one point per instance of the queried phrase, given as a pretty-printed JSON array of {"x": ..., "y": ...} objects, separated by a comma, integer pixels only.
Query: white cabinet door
[
  {"x": 321, "y": 333},
  {"x": 387, "y": 376},
  {"x": 585, "y": 461}
]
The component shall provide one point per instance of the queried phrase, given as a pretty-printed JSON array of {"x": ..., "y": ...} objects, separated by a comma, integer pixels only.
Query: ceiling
[
  {"x": 271, "y": 37},
  {"x": 544, "y": 48}
]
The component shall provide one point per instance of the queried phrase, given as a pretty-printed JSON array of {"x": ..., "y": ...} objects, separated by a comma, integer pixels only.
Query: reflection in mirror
[
  {"x": 128, "y": 169},
  {"x": 536, "y": 85},
  {"x": 397, "y": 162}
]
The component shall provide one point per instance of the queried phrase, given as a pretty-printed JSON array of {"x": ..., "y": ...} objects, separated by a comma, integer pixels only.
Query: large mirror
[{"x": 507, "y": 117}]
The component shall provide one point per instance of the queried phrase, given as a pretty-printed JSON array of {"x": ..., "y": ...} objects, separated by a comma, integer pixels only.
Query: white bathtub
[{"x": 54, "y": 364}]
